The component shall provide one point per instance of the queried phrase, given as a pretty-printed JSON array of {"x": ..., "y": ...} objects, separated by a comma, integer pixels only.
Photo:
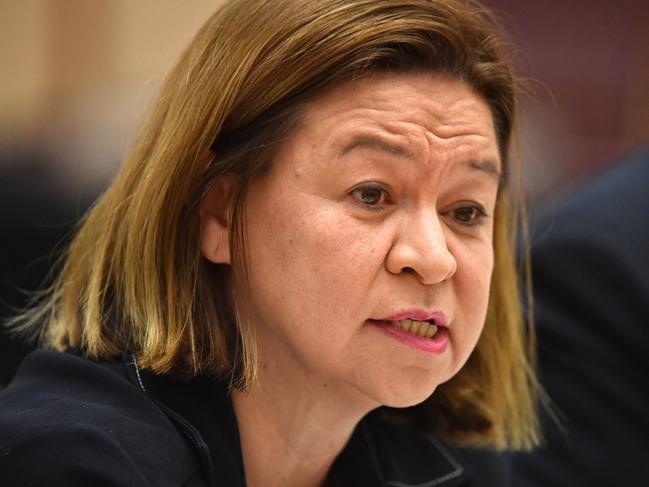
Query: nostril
[{"x": 409, "y": 270}]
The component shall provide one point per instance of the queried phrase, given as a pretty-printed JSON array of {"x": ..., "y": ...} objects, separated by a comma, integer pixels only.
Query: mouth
[
  {"x": 420, "y": 328},
  {"x": 426, "y": 335}
]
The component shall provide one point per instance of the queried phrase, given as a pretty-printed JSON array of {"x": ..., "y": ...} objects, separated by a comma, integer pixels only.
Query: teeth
[
  {"x": 405, "y": 324},
  {"x": 430, "y": 332},
  {"x": 419, "y": 328},
  {"x": 415, "y": 327}
]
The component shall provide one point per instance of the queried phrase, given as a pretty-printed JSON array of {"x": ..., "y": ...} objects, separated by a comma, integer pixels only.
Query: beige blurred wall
[
  {"x": 76, "y": 76},
  {"x": 23, "y": 63}
]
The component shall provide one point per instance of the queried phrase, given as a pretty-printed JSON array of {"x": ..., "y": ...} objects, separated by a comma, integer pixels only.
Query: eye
[
  {"x": 469, "y": 214},
  {"x": 371, "y": 196}
]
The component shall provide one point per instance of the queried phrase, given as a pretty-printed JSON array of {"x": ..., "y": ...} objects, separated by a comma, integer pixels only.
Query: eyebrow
[
  {"x": 376, "y": 144},
  {"x": 380, "y": 145},
  {"x": 488, "y": 167}
]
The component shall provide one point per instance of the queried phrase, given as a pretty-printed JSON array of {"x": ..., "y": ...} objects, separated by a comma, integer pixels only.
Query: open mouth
[{"x": 424, "y": 329}]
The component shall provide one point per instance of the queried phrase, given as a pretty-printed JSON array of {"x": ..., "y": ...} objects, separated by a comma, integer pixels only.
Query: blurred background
[{"x": 77, "y": 77}]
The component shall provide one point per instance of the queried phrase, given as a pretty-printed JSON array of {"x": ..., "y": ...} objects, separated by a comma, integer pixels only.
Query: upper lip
[{"x": 418, "y": 314}]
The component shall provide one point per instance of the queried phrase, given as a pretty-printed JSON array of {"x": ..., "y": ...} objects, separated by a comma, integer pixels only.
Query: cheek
[
  {"x": 472, "y": 290},
  {"x": 335, "y": 257},
  {"x": 311, "y": 257}
]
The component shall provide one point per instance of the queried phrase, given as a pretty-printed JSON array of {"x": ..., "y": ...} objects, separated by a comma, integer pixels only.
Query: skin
[{"x": 380, "y": 202}]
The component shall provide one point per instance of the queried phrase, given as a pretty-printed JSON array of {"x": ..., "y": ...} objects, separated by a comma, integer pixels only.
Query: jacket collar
[{"x": 378, "y": 454}]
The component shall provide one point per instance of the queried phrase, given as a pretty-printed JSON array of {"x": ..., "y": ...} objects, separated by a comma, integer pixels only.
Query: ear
[{"x": 214, "y": 213}]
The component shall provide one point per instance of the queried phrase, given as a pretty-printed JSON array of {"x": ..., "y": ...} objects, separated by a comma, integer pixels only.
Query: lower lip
[{"x": 436, "y": 344}]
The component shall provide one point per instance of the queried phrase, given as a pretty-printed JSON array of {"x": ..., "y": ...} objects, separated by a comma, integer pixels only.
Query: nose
[{"x": 421, "y": 247}]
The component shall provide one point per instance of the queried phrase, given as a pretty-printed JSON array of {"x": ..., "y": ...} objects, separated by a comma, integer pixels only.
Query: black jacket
[{"x": 67, "y": 420}]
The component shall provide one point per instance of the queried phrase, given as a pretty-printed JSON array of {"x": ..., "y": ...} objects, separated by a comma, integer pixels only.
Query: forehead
[{"x": 423, "y": 106}]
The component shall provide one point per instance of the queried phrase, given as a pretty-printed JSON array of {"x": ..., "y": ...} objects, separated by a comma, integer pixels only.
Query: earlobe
[{"x": 214, "y": 211}]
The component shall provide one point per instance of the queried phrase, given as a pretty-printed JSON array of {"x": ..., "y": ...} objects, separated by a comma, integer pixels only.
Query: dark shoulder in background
[{"x": 590, "y": 261}]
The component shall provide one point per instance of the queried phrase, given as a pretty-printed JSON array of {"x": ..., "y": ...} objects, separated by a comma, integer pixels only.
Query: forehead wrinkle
[
  {"x": 376, "y": 133},
  {"x": 375, "y": 143},
  {"x": 376, "y": 136},
  {"x": 424, "y": 128},
  {"x": 456, "y": 118},
  {"x": 397, "y": 126}
]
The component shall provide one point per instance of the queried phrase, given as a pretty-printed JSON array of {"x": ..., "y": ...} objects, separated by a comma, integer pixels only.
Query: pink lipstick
[
  {"x": 419, "y": 315},
  {"x": 407, "y": 327}
]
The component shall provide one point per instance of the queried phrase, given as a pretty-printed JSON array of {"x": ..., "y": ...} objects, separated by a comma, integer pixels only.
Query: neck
[{"x": 291, "y": 432}]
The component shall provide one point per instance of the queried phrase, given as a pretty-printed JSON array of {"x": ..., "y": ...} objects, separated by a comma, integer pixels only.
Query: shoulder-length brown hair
[{"x": 134, "y": 278}]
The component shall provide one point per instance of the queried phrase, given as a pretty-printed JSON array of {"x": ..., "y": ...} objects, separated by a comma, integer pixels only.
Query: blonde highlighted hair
[{"x": 134, "y": 278}]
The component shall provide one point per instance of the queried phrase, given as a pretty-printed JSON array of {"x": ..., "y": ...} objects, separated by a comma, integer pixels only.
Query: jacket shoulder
[
  {"x": 71, "y": 421},
  {"x": 67, "y": 454}
]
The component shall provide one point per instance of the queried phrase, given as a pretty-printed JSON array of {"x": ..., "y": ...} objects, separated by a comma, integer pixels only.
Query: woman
[{"x": 303, "y": 273}]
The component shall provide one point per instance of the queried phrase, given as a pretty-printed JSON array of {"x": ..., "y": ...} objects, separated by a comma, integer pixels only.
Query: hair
[{"x": 134, "y": 278}]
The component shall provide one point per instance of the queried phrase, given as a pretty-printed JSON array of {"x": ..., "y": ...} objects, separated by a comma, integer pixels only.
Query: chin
[
  {"x": 399, "y": 386},
  {"x": 406, "y": 401},
  {"x": 406, "y": 394}
]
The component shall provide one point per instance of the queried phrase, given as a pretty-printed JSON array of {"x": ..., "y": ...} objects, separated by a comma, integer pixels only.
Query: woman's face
[{"x": 378, "y": 209}]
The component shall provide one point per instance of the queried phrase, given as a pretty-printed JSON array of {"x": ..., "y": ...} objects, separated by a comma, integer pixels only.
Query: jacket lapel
[
  {"x": 379, "y": 453},
  {"x": 382, "y": 454}
]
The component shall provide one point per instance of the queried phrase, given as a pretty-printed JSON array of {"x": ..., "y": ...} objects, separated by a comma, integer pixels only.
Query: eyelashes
[
  {"x": 377, "y": 198},
  {"x": 469, "y": 214},
  {"x": 374, "y": 197}
]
